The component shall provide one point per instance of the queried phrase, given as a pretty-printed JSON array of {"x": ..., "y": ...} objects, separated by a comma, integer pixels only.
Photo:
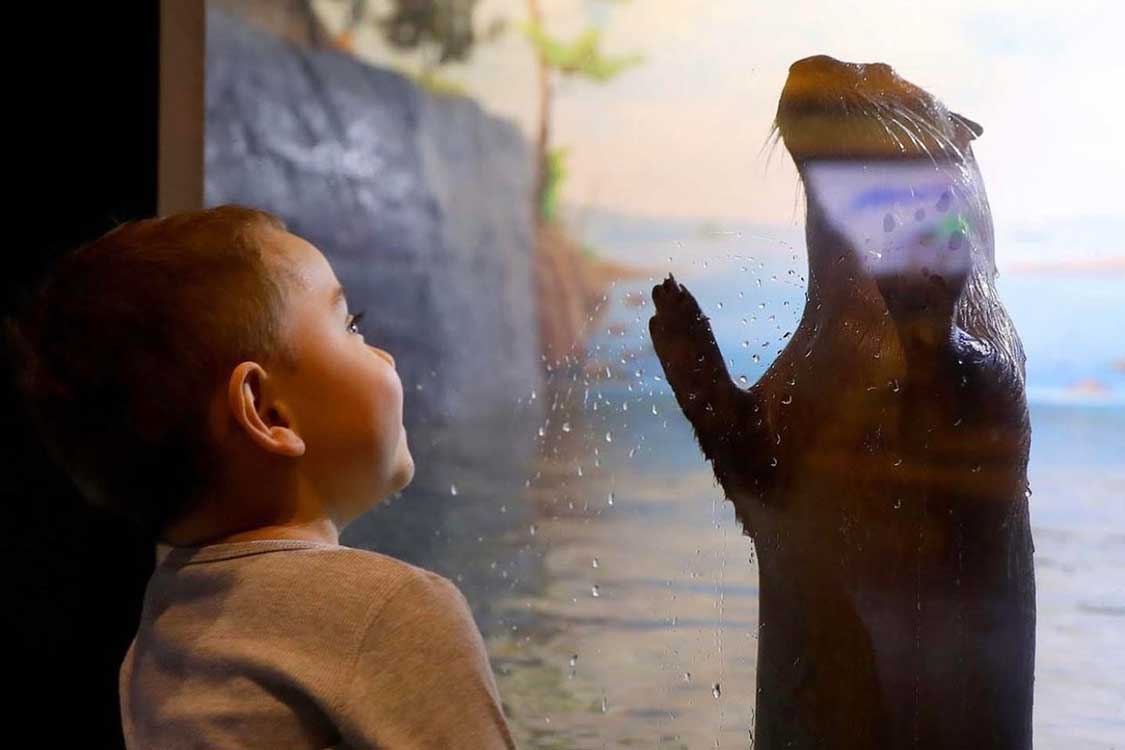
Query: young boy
[{"x": 200, "y": 375}]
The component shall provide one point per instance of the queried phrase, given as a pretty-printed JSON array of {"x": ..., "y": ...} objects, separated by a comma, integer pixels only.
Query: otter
[{"x": 880, "y": 463}]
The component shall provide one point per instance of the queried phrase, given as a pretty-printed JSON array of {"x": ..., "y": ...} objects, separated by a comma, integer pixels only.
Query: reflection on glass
[{"x": 899, "y": 217}]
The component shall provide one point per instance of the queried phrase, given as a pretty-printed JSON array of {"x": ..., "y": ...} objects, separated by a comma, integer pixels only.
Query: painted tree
[
  {"x": 580, "y": 58},
  {"x": 442, "y": 31}
]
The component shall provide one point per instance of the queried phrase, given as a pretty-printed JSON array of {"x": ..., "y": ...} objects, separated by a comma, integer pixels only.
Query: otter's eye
[{"x": 354, "y": 321}]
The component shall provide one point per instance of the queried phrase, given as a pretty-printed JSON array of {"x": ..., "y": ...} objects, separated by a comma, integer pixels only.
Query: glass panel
[{"x": 719, "y": 412}]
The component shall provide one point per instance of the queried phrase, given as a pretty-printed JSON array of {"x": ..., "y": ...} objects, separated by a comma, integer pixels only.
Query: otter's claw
[{"x": 675, "y": 307}]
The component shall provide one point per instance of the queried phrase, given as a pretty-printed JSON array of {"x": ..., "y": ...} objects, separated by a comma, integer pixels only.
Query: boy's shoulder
[
  {"x": 361, "y": 561},
  {"x": 411, "y": 586}
]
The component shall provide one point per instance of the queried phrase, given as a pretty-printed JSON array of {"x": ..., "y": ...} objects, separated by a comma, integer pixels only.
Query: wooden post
[{"x": 181, "y": 115}]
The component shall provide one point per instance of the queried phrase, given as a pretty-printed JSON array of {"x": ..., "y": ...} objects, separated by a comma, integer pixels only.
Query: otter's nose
[
  {"x": 816, "y": 63},
  {"x": 879, "y": 71}
]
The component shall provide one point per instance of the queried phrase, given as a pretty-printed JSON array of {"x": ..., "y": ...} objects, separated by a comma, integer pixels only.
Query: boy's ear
[{"x": 263, "y": 422}]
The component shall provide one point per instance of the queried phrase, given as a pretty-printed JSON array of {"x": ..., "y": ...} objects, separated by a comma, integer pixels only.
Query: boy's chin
[{"x": 405, "y": 473}]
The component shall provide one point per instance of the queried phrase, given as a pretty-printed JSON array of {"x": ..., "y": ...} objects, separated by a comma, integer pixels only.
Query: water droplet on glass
[
  {"x": 452, "y": 489},
  {"x": 745, "y": 344},
  {"x": 715, "y": 690},
  {"x": 595, "y": 562},
  {"x": 605, "y": 705},
  {"x": 756, "y": 358},
  {"x": 742, "y": 378},
  {"x": 574, "y": 660},
  {"x": 687, "y": 676},
  {"x": 542, "y": 432},
  {"x": 788, "y": 399},
  {"x": 532, "y": 528},
  {"x": 719, "y": 305},
  {"x": 944, "y": 201},
  {"x": 566, "y": 426},
  {"x": 889, "y": 223},
  {"x": 610, "y": 498},
  {"x": 594, "y": 590},
  {"x": 773, "y": 461},
  {"x": 608, "y": 438},
  {"x": 919, "y": 214},
  {"x": 898, "y": 503},
  {"x": 654, "y": 409}
]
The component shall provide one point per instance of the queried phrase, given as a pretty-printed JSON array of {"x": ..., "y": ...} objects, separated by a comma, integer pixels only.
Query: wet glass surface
[{"x": 617, "y": 591}]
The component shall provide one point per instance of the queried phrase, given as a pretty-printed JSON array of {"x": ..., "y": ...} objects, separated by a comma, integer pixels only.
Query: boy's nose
[{"x": 384, "y": 355}]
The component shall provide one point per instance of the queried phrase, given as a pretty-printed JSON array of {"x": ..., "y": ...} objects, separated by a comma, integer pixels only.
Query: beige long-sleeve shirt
[{"x": 305, "y": 645}]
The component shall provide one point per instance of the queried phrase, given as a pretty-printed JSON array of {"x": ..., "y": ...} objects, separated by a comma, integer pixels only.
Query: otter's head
[
  {"x": 851, "y": 111},
  {"x": 892, "y": 183}
]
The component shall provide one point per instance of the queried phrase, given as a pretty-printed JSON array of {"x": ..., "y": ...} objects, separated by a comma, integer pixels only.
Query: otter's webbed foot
[{"x": 693, "y": 365}]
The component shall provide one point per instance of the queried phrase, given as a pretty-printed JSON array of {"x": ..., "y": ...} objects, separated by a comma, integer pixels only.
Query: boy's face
[{"x": 345, "y": 399}]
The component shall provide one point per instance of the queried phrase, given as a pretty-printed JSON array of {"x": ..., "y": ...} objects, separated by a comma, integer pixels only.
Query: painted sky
[{"x": 681, "y": 135}]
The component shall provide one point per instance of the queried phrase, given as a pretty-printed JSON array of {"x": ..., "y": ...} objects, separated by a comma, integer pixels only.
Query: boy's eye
[{"x": 354, "y": 321}]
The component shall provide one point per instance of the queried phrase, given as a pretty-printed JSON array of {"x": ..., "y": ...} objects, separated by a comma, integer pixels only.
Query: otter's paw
[
  {"x": 685, "y": 344},
  {"x": 678, "y": 323}
]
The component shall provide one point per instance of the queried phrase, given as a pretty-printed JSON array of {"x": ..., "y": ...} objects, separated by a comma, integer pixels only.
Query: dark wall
[{"x": 83, "y": 159}]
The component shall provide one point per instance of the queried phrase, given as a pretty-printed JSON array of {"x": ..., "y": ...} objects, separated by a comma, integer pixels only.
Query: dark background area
[{"x": 85, "y": 109}]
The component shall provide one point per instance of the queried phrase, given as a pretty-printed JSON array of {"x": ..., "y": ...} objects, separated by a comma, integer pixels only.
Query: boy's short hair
[{"x": 123, "y": 343}]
